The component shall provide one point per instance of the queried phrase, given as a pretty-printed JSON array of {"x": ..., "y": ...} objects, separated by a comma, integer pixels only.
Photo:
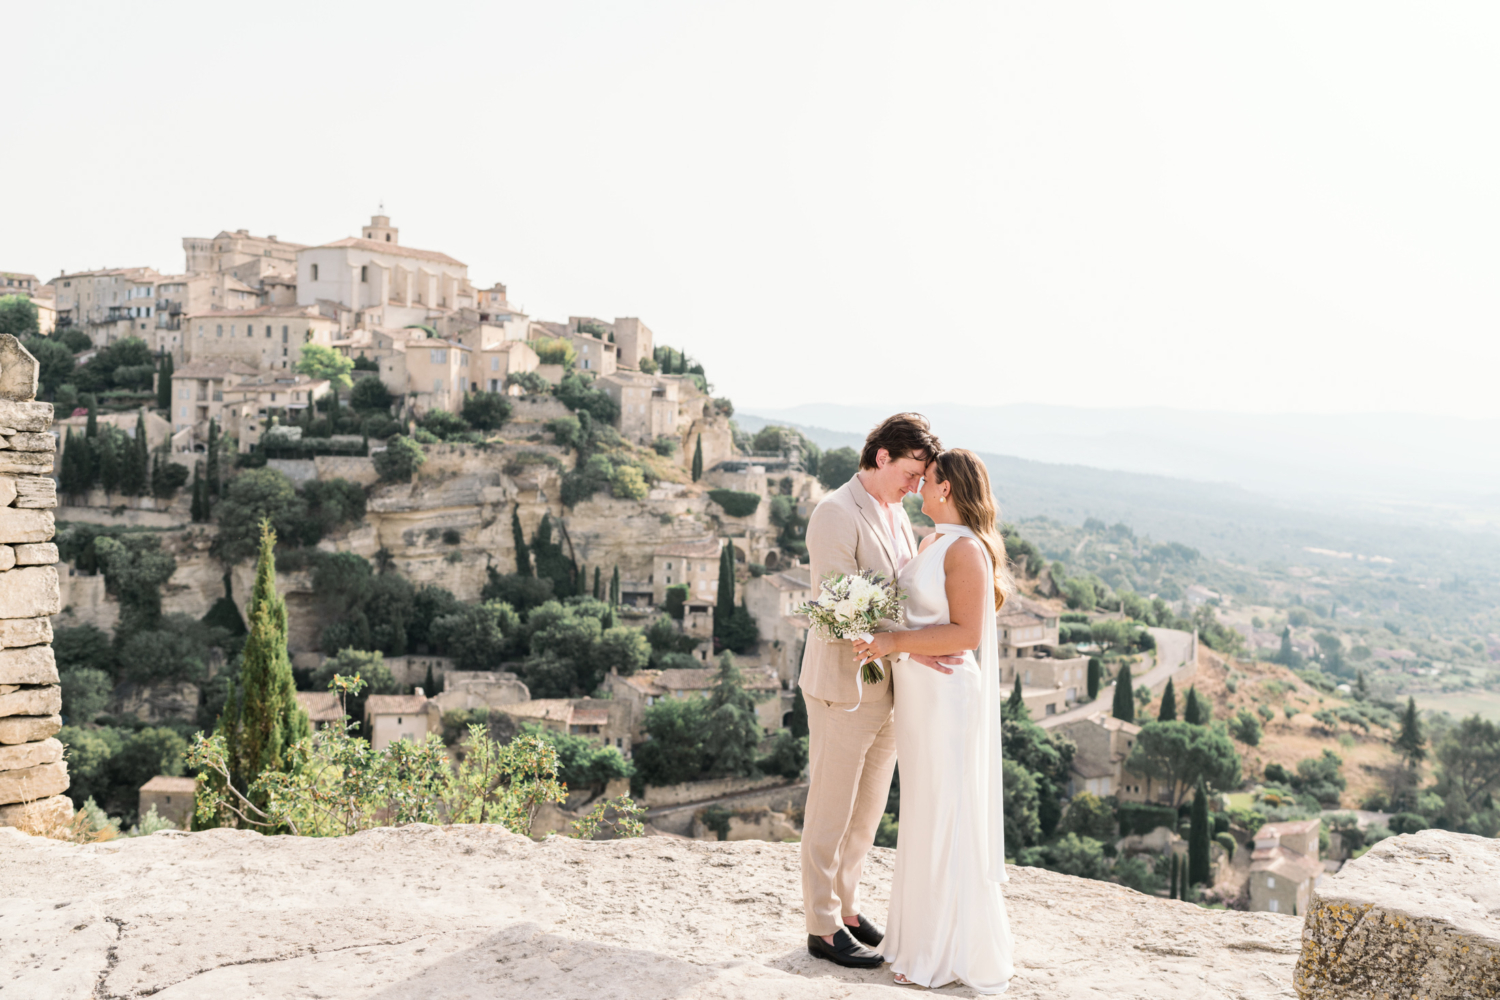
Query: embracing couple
[{"x": 937, "y": 710}]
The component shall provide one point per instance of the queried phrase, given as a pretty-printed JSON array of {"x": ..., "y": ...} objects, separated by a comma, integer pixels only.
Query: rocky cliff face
[{"x": 474, "y": 911}]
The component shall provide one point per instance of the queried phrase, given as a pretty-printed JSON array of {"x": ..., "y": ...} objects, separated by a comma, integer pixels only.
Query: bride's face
[{"x": 932, "y": 491}]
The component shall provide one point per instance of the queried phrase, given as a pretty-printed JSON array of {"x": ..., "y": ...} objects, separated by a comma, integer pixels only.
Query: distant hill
[
  {"x": 1218, "y": 518},
  {"x": 1311, "y": 457}
]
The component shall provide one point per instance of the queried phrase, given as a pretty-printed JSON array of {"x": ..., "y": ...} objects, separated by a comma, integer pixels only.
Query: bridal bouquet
[{"x": 849, "y": 607}]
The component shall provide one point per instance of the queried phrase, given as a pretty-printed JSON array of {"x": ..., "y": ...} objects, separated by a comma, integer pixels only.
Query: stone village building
[{"x": 1284, "y": 866}]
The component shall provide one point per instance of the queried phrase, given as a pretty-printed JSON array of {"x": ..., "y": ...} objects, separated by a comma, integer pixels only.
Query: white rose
[{"x": 846, "y": 609}]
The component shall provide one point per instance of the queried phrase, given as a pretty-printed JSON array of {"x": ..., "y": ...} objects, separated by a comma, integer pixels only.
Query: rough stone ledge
[
  {"x": 32, "y": 441},
  {"x": 29, "y": 592},
  {"x": 1418, "y": 916},
  {"x": 43, "y": 814},
  {"x": 28, "y": 665},
  {"x": 28, "y": 728},
  {"x": 40, "y": 781},
  {"x": 25, "y": 416},
  {"x": 13, "y": 758},
  {"x": 40, "y": 700},
  {"x": 19, "y": 525},
  {"x": 26, "y": 462},
  {"x": 35, "y": 553},
  {"x": 25, "y": 631},
  {"x": 36, "y": 492}
]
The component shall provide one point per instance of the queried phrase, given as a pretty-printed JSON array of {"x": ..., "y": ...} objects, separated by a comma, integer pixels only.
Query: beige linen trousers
[{"x": 851, "y": 755}]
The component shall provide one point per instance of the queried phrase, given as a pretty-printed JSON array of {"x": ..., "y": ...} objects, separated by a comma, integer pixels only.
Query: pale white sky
[{"x": 1271, "y": 207}]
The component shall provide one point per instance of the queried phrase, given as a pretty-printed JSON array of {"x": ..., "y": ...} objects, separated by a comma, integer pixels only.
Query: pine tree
[
  {"x": 1168, "y": 711},
  {"x": 1124, "y": 705},
  {"x": 270, "y": 720},
  {"x": 164, "y": 385},
  {"x": 732, "y": 734},
  {"x": 1199, "y": 837},
  {"x": 1096, "y": 677},
  {"x": 614, "y": 587},
  {"x": 518, "y": 539},
  {"x": 211, "y": 472},
  {"x": 1411, "y": 743},
  {"x": 725, "y": 606},
  {"x": 1192, "y": 711},
  {"x": 698, "y": 459}
]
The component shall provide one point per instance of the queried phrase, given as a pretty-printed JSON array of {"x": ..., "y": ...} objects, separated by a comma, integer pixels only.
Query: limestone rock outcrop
[
  {"x": 474, "y": 911},
  {"x": 1417, "y": 916},
  {"x": 32, "y": 773}
]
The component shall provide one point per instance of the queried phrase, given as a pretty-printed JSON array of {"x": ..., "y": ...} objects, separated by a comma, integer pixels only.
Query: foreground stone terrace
[{"x": 475, "y": 911}]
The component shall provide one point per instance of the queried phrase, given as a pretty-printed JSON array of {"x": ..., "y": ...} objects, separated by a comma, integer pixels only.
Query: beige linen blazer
[{"x": 846, "y": 535}]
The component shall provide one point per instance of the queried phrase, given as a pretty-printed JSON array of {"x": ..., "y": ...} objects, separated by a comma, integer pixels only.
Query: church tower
[{"x": 381, "y": 230}]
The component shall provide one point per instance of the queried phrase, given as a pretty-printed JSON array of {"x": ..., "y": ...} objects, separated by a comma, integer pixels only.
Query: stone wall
[{"x": 33, "y": 774}]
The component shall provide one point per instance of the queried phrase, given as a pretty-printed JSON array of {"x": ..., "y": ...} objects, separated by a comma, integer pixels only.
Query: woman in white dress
[{"x": 947, "y": 917}]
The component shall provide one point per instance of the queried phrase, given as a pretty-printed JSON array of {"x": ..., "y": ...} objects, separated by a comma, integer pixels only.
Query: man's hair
[{"x": 906, "y": 435}]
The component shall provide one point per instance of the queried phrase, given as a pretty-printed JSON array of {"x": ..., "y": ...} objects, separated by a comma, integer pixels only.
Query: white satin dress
[{"x": 947, "y": 918}]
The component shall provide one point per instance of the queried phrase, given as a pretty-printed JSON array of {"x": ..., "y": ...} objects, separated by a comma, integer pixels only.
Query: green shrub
[
  {"x": 627, "y": 483},
  {"x": 664, "y": 446},
  {"x": 1141, "y": 818},
  {"x": 487, "y": 411},
  {"x": 735, "y": 502},
  {"x": 400, "y": 460}
]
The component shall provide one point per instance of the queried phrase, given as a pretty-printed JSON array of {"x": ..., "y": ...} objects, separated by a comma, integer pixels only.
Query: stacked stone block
[{"x": 33, "y": 774}]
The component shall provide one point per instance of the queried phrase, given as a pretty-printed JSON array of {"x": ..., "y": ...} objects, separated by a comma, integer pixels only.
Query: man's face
[{"x": 896, "y": 477}]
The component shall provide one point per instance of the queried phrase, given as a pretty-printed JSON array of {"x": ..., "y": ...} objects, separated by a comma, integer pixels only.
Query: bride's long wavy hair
[{"x": 973, "y": 500}]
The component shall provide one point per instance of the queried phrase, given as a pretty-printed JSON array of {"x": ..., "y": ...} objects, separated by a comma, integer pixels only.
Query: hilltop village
[{"x": 510, "y": 528}]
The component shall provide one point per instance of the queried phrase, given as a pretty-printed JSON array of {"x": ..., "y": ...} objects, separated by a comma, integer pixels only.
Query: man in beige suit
[{"x": 852, "y": 742}]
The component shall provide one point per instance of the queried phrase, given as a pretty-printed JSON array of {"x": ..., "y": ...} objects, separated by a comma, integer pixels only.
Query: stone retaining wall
[{"x": 33, "y": 774}]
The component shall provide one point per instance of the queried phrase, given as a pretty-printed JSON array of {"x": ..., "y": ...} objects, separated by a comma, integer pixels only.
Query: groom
[{"x": 852, "y": 751}]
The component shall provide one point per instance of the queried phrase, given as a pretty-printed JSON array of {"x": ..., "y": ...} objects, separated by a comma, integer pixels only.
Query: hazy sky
[{"x": 1270, "y": 207}]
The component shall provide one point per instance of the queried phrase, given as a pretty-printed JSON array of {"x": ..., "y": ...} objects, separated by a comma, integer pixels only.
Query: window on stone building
[
  {"x": 268, "y": 331},
  {"x": 364, "y": 272},
  {"x": 219, "y": 329},
  {"x": 283, "y": 333},
  {"x": 315, "y": 272}
]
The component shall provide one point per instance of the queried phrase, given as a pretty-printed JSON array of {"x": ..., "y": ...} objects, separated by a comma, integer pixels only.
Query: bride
[{"x": 947, "y": 917}]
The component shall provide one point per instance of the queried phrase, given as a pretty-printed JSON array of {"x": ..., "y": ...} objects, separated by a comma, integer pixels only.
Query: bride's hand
[{"x": 881, "y": 644}]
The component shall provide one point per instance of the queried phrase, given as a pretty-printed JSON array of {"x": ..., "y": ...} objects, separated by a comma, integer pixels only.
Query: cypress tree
[
  {"x": 91, "y": 429},
  {"x": 608, "y": 621},
  {"x": 69, "y": 477},
  {"x": 198, "y": 513},
  {"x": 429, "y": 685},
  {"x": 732, "y": 734},
  {"x": 211, "y": 472},
  {"x": 110, "y": 464},
  {"x": 1361, "y": 689},
  {"x": 1168, "y": 711},
  {"x": 1124, "y": 705},
  {"x": 134, "y": 471},
  {"x": 1193, "y": 710},
  {"x": 1096, "y": 677},
  {"x": 1411, "y": 743},
  {"x": 598, "y": 585},
  {"x": 1172, "y": 889},
  {"x": 1199, "y": 839},
  {"x": 1015, "y": 702},
  {"x": 698, "y": 459},
  {"x": 518, "y": 539},
  {"x": 725, "y": 606},
  {"x": 271, "y": 720},
  {"x": 614, "y": 587},
  {"x": 1286, "y": 654},
  {"x": 164, "y": 385}
]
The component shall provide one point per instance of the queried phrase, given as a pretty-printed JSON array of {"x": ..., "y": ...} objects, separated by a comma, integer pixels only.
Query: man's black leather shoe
[
  {"x": 867, "y": 932},
  {"x": 844, "y": 951}
]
